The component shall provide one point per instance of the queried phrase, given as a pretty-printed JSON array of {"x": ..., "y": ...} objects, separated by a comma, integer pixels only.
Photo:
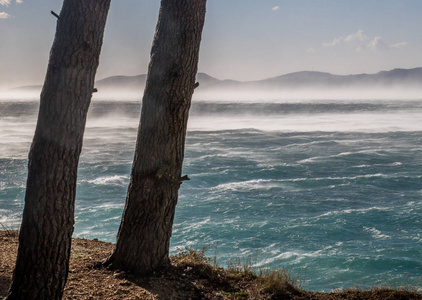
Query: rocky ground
[{"x": 190, "y": 277}]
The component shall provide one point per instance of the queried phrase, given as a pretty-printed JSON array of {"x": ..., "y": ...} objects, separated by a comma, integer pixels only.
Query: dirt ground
[{"x": 181, "y": 281}]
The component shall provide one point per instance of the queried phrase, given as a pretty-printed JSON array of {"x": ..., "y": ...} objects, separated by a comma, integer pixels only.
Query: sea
[{"x": 328, "y": 188}]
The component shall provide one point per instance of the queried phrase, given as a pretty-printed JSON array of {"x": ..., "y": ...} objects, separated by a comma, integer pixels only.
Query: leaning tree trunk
[
  {"x": 144, "y": 235},
  {"x": 48, "y": 217}
]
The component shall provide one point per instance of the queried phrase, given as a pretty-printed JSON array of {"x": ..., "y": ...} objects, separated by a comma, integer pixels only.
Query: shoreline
[{"x": 191, "y": 276}]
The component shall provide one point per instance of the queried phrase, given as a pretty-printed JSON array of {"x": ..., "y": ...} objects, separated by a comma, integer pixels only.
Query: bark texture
[
  {"x": 48, "y": 218},
  {"x": 144, "y": 234}
]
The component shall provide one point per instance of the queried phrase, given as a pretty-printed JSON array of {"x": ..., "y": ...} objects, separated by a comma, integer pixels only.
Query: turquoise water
[{"x": 329, "y": 188}]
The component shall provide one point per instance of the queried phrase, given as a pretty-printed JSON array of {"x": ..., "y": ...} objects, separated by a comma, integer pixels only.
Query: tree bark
[
  {"x": 144, "y": 235},
  {"x": 48, "y": 217}
]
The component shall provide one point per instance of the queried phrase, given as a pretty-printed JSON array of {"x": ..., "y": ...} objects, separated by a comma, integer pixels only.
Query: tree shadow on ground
[
  {"x": 171, "y": 283},
  {"x": 171, "y": 289}
]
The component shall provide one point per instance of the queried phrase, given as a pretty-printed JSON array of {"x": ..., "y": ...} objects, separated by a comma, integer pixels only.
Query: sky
[{"x": 242, "y": 39}]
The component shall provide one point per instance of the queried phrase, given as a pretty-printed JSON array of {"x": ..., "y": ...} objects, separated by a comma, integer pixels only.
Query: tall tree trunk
[
  {"x": 48, "y": 217},
  {"x": 144, "y": 234}
]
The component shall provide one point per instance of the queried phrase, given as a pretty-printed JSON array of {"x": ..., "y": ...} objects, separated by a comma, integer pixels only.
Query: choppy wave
[
  {"x": 110, "y": 180},
  {"x": 331, "y": 187},
  {"x": 376, "y": 233}
]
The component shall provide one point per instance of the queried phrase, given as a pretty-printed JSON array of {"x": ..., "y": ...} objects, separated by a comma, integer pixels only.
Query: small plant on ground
[
  {"x": 192, "y": 256},
  {"x": 239, "y": 268},
  {"x": 196, "y": 262},
  {"x": 279, "y": 282}
]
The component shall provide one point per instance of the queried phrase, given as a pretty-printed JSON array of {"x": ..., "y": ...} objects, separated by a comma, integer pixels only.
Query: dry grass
[
  {"x": 192, "y": 256},
  {"x": 279, "y": 282},
  {"x": 239, "y": 280}
]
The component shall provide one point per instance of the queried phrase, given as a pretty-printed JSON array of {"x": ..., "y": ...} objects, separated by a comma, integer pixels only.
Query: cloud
[
  {"x": 357, "y": 36},
  {"x": 399, "y": 45},
  {"x": 7, "y": 2},
  {"x": 273, "y": 9},
  {"x": 377, "y": 44},
  {"x": 310, "y": 50},
  {"x": 360, "y": 40},
  {"x": 4, "y": 15}
]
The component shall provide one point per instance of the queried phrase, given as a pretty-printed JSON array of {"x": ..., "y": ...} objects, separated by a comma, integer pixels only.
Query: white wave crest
[
  {"x": 376, "y": 233},
  {"x": 116, "y": 180},
  {"x": 349, "y": 211},
  {"x": 248, "y": 185}
]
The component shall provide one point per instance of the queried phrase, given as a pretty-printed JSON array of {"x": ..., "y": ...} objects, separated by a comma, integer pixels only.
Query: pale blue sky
[{"x": 243, "y": 39}]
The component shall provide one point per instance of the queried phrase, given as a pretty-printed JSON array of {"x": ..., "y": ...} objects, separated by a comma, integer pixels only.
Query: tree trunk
[
  {"x": 48, "y": 217},
  {"x": 144, "y": 234}
]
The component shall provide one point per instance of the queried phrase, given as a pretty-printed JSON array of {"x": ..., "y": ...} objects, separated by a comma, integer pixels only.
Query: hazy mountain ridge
[
  {"x": 304, "y": 79},
  {"x": 395, "y": 77},
  {"x": 321, "y": 79},
  {"x": 121, "y": 81}
]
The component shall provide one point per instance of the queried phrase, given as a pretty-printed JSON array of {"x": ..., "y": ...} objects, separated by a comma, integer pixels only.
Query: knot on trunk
[{"x": 183, "y": 178}]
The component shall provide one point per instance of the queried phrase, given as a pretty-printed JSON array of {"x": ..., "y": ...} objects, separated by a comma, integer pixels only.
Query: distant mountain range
[
  {"x": 138, "y": 82},
  {"x": 304, "y": 79}
]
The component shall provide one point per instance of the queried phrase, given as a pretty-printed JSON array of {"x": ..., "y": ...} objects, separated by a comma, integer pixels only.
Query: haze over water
[{"x": 330, "y": 187}]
